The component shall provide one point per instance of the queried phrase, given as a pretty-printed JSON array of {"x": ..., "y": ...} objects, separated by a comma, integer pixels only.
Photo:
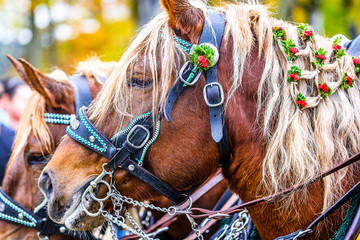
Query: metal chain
[
  {"x": 194, "y": 227},
  {"x": 112, "y": 230},
  {"x": 238, "y": 226},
  {"x": 118, "y": 200},
  {"x": 117, "y": 197}
]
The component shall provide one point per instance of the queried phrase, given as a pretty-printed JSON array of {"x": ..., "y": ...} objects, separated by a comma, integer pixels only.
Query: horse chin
[{"x": 74, "y": 217}]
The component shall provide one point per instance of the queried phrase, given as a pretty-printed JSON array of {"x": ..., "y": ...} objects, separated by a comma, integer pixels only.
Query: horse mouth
[{"x": 73, "y": 215}]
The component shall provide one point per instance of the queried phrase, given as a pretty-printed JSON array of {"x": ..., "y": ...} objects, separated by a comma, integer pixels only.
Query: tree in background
[{"x": 62, "y": 32}]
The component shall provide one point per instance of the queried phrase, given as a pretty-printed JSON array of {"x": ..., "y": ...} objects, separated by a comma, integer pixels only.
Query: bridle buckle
[
  {"x": 186, "y": 69},
  {"x": 134, "y": 145},
  {"x": 211, "y": 97}
]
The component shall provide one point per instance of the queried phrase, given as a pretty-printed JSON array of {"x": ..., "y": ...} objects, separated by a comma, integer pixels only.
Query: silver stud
[
  {"x": 92, "y": 138},
  {"x": 131, "y": 167},
  {"x": 62, "y": 229},
  {"x": 2, "y": 207},
  {"x": 74, "y": 122},
  {"x": 20, "y": 216}
]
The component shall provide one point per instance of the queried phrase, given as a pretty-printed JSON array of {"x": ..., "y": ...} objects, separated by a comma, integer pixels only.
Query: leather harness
[
  {"x": 125, "y": 147},
  {"x": 13, "y": 212}
]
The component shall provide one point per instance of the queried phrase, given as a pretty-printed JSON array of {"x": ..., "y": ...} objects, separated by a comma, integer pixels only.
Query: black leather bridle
[
  {"x": 124, "y": 148},
  {"x": 13, "y": 212}
]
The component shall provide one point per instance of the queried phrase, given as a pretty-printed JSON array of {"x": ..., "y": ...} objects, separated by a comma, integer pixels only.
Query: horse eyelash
[{"x": 137, "y": 82}]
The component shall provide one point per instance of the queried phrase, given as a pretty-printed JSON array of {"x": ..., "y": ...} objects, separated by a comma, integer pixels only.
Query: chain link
[
  {"x": 118, "y": 200},
  {"x": 238, "y": 226}
]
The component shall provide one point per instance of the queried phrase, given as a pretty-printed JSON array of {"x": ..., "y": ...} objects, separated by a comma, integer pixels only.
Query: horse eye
[
  {"x": 36, "y": 159},
  {"x": 137, "y": 82}
]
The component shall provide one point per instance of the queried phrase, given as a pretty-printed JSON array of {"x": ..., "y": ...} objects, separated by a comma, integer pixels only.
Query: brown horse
[
  {"x": 277, "y": 138},
  {"x": 36, "y": 139}
]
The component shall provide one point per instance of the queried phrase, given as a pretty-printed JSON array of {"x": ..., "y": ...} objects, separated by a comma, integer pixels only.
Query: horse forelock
[{"x": 298, "y": 146}]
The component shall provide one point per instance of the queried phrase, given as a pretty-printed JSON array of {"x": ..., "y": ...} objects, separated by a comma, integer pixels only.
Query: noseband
[{"x": 13, "y": 212}]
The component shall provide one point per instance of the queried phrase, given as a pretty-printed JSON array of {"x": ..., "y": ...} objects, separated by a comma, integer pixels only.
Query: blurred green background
[{"x": 60, "y": 33}]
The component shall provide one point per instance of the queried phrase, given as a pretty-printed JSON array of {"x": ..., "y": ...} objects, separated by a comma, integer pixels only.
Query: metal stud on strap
[{"x": 220, "y": 91}]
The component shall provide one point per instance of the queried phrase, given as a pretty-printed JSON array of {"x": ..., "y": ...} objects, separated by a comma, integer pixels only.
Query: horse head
[
  {"x": 276, "y": 138},
  {"x": 37, "y": 138}
]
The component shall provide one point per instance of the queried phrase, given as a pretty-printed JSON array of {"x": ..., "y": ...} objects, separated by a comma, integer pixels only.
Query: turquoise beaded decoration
[
  {"x": 85, "y": 141},
  {"x": 57, "y": 118},
  {"x": 184, "y": 45},
  {"x": 148, "y": 144},
  {"x": 31, "y": 222}
]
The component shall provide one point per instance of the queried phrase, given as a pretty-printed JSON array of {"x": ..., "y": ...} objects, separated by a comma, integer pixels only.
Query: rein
[{"x": 13, "y": 212}]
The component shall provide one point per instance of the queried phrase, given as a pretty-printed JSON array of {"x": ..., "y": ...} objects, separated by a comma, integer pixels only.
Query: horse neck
[{"x": 280, "y": 217}]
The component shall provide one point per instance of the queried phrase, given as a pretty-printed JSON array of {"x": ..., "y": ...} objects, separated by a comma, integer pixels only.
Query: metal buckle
[
  {"x": 222, "y": 97},
  {"x": 195, "y": 79},
  {"x": 145, "y": 140}
]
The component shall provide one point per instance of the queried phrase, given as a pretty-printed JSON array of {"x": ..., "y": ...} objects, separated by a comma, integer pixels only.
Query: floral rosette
[
  {"x": 301, "y": 101},
  {"x": 203, "y": 57},
  {"x": 325, "y": 90},
  {"x": 356, "y": 62},
  {"x": 306, "y": 33},
  {"x": 348, "y": 82},
  {"x": 337, "y": 48},
  {"x": 320, "y": 57},
  {"x": 294, "y": 74},
  {"x": 278, "y": 33},
  {"x": 290, "y": 49}
]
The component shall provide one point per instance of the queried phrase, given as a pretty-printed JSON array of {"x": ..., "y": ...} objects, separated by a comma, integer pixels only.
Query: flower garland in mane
[
  {"x": 320, "y": 55},
  {"x": 326, "y": 70}
]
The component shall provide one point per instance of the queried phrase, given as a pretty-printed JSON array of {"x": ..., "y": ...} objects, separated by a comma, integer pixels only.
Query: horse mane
[{"x": 298, "y": 145}]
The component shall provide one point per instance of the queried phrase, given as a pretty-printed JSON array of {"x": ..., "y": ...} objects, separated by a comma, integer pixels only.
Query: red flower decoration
[
  {"x": 294, "y": 50},
  {"x": 302, "y": 103},
  {"x": 350, "y": 80},
  {"x": 294, "y": 76},
  {"x": 322, "y": 57},
  {"x": 324, "y": 87},
  {"x": 356, "y": 61},
  {"x": 308, "y": 33},
  {"x": 336, "y": 47},
  {"x": 279, "y": 28},
  {"x": 203, "y": 61}
]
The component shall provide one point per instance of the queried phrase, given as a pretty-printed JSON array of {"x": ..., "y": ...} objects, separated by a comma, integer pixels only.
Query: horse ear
[
  {"x": 57, "y": 94},
  {"x": 19, "y": 69},
  {"x": 185, "y": 17}
]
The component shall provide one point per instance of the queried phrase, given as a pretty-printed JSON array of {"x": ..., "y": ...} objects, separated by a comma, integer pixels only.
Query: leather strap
[
  {"x": 233, "y": 199},
  {"x": 202, "y": 213},
  {"x": 82, "y": 92},
  {"x": 354, "y": 229},
  {"x": 12, "y": 212},
  {"x": 344, "y": 199},
  {"x": 213, "y": 92},
  {"x": 164, "y": 220},
  {"x": 121, "y": 154}
]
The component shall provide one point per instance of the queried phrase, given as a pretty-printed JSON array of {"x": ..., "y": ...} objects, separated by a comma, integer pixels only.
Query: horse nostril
[{"x": 45, "y": 184}]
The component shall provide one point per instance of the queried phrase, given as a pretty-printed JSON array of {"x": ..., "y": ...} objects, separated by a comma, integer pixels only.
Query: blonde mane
[{"x": 299, "y": 145}]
